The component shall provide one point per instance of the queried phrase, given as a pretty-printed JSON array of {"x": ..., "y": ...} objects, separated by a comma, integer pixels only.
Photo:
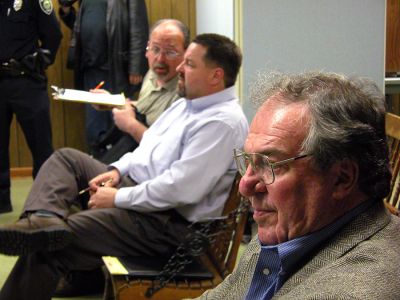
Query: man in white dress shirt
[{"x": 141, "y": 204}]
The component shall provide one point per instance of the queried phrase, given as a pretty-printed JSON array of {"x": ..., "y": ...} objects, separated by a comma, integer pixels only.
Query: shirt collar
[
  {"x": 198, "y": 104},
  {"x": 291, "y": 252}
]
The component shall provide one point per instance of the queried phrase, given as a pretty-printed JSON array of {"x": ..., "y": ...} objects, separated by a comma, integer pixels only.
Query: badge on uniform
[
  {"x": 17, "y": 5},
  {"x": 46, "y": 6}
]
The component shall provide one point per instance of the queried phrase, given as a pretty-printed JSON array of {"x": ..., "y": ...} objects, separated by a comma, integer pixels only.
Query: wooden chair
[
  {"x": 202, "y": 261},
  {"x": 392, "y": 128}
]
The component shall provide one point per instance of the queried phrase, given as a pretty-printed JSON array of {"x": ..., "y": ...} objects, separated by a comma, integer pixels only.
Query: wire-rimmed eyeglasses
[
  {"x": 260, "y": 164},
  {"x": 169, "y": 54}
]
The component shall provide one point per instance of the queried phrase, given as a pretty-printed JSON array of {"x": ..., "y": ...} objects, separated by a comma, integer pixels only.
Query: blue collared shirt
[{"x": 276, "y": 263}]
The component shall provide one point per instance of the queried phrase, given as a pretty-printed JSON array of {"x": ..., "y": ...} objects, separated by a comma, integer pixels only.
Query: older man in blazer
[{"x": 315, "y": 168}]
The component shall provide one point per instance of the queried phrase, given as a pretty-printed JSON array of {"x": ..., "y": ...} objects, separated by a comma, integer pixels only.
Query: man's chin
[
  {"x": 267, "y": 237},
  {"x": 181, "y": 93},
  {"x": 161, "y": 72}
]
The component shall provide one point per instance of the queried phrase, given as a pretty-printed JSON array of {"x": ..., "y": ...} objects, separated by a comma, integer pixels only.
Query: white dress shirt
[{"x": 185, "y": 159}]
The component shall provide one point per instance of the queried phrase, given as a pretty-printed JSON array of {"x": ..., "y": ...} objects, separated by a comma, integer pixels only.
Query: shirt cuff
[
  {"x": 122, "y": 198},
  {"x": 122, "y": 167}
]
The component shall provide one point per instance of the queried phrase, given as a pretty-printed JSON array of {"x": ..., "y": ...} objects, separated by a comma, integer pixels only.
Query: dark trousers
[
  {"x": 125, "y": 144},
  {"x": 28, "y": 100},
  {"x": 96, "y": 122},
  {"x": 98, "y": 232}
]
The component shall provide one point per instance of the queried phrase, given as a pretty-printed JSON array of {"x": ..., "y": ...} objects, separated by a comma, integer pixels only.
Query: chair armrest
[{"x": 202, "y": 235}]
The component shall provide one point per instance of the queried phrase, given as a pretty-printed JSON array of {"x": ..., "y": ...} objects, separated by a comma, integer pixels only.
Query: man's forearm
[{"x": 136, "y": 130}]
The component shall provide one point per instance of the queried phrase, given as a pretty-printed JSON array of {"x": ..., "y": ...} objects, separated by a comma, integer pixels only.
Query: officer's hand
[{"x": 66, "y": 2}]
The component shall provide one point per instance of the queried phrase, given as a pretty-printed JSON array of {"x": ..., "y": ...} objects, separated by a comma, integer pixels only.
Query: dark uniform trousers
[
  {"x": 98, "y": 232},
  {"x": 28, "y": 99}
]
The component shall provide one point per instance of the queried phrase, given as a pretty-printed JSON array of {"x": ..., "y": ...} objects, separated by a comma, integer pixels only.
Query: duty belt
[
  {"x": 14, "y": 68},
  {"x": 9, "y": 69}
]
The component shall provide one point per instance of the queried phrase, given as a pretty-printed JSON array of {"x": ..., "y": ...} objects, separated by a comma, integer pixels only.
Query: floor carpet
[{"x": 19, "y": 191}]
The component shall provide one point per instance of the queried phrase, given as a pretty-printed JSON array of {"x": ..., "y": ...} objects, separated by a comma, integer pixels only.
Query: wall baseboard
[{"x": 21, "y": 172}]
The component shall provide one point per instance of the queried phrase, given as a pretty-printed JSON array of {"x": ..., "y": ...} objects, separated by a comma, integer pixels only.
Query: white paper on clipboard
[{"x": 88, "y": 97}]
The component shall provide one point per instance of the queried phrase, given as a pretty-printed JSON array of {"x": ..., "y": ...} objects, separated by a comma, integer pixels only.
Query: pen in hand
[
  {"x": 101, "y": 184},
  {"x": 99, "y": 85}
]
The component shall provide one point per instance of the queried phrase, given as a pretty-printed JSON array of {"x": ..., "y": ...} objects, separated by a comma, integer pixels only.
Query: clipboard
[{"x": 71, "y": 95}]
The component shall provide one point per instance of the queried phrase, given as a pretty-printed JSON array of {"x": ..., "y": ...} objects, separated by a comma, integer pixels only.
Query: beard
[
  {"x": 181, "y": 86},
  {"x": 161, "y": 70},
  {"x": 181, "y": 91}
]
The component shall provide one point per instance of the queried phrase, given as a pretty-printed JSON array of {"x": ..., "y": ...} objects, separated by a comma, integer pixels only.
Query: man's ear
[
  {"x": 217, "y": 76},
  {"x": 346, "y": 178},
  {"x": 147, "y": 52}
]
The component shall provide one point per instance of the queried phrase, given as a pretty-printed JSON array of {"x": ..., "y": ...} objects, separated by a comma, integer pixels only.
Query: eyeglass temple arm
[{"x": 285, "y": 161}]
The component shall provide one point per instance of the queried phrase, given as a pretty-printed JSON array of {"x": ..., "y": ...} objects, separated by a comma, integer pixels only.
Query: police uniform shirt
[{"x": 26, "y": 25}]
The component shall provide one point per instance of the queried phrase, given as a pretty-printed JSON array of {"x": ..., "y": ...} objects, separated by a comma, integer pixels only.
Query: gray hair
[
  {"x": 180, "y": 25},
  {"x": 347, "y": 120}
]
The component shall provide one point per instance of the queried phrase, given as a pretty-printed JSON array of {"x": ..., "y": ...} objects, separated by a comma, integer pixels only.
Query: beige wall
[{"x": 68, "y": 119}]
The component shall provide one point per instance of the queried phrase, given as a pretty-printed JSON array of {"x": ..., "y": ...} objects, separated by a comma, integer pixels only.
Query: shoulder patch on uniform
[
  {"x": 46, "y": 6},
  {"x": 17, "y": 5}
]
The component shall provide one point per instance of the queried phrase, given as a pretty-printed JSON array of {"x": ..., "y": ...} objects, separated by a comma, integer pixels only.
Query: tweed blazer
[{"x": 361, "y": 261}]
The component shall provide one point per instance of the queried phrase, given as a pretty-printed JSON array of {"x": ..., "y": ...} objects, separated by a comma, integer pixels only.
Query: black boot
[
  {"x": 80, "y": 283},
  {"x": 34, "y": 232},
  {"x": 5, "y": 201}
]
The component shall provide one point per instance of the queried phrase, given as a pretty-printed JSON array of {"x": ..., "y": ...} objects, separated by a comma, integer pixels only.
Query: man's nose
[
  {"x": 160, "y": 57},
  {"x": 251, "y": 184},
  {"x": 179, "y": 67}
]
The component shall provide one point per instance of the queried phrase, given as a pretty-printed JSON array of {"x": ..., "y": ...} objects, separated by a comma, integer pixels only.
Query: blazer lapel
[{"x": 361, "y": 228}]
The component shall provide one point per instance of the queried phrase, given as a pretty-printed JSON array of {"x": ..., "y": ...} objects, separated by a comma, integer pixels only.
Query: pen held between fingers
[
  {"x": 89, "y": 188},
  {"x": 84, "y": 191},
  {"x": 99, "y": 85}
]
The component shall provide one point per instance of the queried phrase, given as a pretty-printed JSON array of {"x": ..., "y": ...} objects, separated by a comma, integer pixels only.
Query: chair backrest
[
  {"x": 214, "y": 241},
  {"x": 392, "y": 127},
  {"x": 224, "y": 249}
]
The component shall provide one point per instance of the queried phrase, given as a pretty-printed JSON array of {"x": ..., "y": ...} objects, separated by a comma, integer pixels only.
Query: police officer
[{"x": 29, "y": 38}]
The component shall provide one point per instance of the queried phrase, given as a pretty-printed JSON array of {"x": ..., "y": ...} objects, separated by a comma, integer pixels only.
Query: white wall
[
  {"x": 345, "y": 36},
  {"x": 215, "y": 16},
  {"x": 297, "y": 35}
]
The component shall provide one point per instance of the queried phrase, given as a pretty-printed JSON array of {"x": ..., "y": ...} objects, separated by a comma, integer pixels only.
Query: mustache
[{"x": 160, "y": 65}]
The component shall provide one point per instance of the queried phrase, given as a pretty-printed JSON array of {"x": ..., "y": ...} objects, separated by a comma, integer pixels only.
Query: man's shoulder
[
  {"x": 362, "y": 273},
  {"x": 228, "y": 110},
  {"x": 374, "y": 234},
  {"x": 354, "y": 263}
]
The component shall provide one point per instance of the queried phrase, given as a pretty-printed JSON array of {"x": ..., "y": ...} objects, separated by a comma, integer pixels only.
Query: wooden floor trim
[{"x": 21, "y": 172}]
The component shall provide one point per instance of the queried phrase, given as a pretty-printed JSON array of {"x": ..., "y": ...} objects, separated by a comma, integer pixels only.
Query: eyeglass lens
[
  {"x": 169, "y": 54},
  {"x": 259, "y": 164}
]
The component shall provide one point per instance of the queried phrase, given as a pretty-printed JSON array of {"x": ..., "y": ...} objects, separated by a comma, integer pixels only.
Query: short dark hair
[
  {"x": 222, "y": 52},
  {"x": 180, "y": 25}
]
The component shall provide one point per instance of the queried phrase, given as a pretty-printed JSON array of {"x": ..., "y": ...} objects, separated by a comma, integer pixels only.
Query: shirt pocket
[{"x": 18, "y": 25}]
